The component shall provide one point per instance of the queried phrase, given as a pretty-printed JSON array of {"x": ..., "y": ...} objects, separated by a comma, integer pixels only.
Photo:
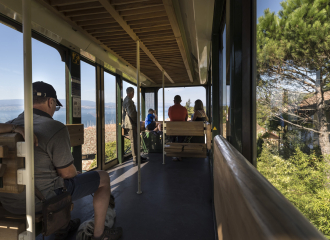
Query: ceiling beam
[
  {"x": 177, "y": 33},
  {"x": 139, "y": 5},
  {"x": 88, "y": 36},
  {"x": 68, "y": 2},
  {"x": 81, "y": 6},
  {"x": 122, "y": 22}
]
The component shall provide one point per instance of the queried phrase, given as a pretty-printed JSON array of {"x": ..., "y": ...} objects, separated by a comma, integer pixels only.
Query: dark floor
[{"x": 176, "y": 200}]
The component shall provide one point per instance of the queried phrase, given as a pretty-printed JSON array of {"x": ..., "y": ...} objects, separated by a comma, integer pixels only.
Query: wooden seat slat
[{"x": 185, "y": 128}]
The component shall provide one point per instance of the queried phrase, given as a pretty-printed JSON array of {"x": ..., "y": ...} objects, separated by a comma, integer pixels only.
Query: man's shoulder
[{"x": 48, "y": 124}]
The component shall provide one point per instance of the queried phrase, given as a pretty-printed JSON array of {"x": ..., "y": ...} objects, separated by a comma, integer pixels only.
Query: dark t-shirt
[{"x": 53, "y": 151}]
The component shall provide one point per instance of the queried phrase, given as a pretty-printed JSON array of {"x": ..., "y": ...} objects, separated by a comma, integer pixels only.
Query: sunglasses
[{"x": 57, "y": 107}]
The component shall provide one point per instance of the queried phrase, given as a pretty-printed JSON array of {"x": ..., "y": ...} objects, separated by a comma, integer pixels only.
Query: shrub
[
  {"x": 302, "y": 180},
  {"x": 110, "y": 151}
]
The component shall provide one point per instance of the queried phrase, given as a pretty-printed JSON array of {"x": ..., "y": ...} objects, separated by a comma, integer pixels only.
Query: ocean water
[{"x": 88, "y": 116}]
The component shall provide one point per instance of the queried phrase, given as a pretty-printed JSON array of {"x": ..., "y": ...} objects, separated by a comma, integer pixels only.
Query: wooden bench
[
  {"x": 187, "y": 129},
  {"x": 11, "y": 225}
]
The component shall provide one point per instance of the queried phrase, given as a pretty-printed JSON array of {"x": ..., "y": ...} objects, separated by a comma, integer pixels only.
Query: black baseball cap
[{"x": 42, "y": 89}]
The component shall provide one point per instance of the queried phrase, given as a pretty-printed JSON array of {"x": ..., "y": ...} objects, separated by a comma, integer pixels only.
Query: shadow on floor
[{"x": 176, "y": 200}]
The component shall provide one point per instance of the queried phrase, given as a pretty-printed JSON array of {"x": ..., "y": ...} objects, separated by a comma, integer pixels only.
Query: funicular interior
[{"x": 165, "y": 44}]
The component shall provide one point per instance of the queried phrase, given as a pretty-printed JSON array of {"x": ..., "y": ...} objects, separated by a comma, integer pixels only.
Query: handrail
[{"x": 248, "y": 206}]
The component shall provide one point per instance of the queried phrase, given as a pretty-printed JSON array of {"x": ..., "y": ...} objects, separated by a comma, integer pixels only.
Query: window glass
[
  {"x": 223, "y": 86},
  {"x": 88, "y": 115},
  {"x": 188, "y": 96},
  {"x": 110, "y": 116},
  {"x": 150, "y": 101},
  {"x": 51, "y": 71},
  {"x": 293, "y": 103}
]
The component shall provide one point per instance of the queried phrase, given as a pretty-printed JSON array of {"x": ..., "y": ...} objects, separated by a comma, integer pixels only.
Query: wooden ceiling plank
[
  {"x": 81, "y": 6},
  {"x": 85, "y": 12},
  {"x": 150, "y": 25},
  {"x": 92, "y": 18},
  {"x": 147, "y": 21},
  {"x": 139, "y": 5},
  {"x": 168, "y": 32},
  {"x": 101, "y": 26},
  {"x": 78, "y": 28},
  {"x": 145, "y": 16},
  {"x": 121, "y": 2},
  {"x": 142, "y": 11},
  {"x": 177, "y": 33},
  {"x": 67, "y": 2},
  {"x": 130, "y": 32},
  {"x": 104, "y": 34},
  {"x": 153, "y": 29},
  {"x": 105, "y": 30},
  {"x": 118, "y": 44}
]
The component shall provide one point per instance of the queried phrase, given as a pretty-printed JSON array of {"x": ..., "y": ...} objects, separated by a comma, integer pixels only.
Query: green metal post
[
  {"x": 119, "y": 99},
  {"x": 74, "y": 87}
]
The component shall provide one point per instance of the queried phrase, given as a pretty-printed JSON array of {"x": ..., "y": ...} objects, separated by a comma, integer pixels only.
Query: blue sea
[{"x": 88, "y": 116}]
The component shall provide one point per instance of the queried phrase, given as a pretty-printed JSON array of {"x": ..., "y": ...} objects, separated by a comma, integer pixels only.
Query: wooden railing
[{"x": 247, "y": 206}]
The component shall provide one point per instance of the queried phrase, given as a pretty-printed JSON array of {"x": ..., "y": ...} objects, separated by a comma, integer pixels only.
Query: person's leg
[
  {"x": 101, "y": 203},
  {"x": 132, "y": 137}
]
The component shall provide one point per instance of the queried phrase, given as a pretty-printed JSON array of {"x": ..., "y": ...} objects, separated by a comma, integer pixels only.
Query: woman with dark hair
[{"x": 199, "y": 113}]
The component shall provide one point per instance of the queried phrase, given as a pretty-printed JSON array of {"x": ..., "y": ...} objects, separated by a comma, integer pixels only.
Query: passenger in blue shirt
[{"x": 150, "y": 122}]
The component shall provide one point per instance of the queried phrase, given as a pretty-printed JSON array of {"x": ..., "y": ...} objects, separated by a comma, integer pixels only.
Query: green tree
[
  {"x": 293, "y": 52},
  {"x": 189, "y": 108},
  {"x": 301, "y": 179}
]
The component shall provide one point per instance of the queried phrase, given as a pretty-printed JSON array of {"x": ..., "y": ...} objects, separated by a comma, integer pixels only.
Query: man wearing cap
[
  {"x": 53, "y": 165},
  {"x": 177, "y": 113}
]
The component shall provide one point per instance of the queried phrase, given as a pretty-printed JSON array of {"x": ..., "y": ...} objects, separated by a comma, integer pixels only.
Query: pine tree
[{"x": 293, "y": 52}]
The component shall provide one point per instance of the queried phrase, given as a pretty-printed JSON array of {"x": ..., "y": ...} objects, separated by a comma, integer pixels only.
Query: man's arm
[
  {"x": 67, "y": 172},
  {"x": 131, "y": 111},
  {"x": 8, "y": 128}
]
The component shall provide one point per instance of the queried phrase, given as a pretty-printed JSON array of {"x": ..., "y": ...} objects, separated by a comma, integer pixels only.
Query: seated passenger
[
  {"x": 53, "y": 166},
  {"x": 150, "y": 122},
  {"x": 199, "y": 113},
  {"x": 177, "y": 113}
]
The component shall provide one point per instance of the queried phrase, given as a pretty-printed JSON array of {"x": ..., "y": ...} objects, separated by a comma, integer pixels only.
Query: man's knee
[{"x": 104, "y": 178}]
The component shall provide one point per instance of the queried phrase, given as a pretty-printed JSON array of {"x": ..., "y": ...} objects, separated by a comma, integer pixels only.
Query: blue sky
[{"x": 48, "y": 67}]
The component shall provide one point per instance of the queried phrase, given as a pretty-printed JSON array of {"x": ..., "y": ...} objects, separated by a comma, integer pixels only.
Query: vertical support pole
[
  {"x": 163, "y": 82},
  {"x": 138, "y": 114},
  {"x": 119, "y": 100},
  {"x": 68, "y": 99},
  {"x": 215, "y": 85},
  {"x": 143, "y": 103},
  {"x": 28, "y": 120},
  {"x": 100, "y": 127}
]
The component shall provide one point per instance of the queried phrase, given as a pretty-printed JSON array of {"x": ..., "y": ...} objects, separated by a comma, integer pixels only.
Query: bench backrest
[
  {"x": 185, "y": 128},
  {"x": 12, "y": 162}
]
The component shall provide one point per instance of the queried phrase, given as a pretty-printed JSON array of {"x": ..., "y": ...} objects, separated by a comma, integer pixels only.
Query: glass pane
[
  {"x": 88, "y": 115},
  {"x": 11, "y": 73},
  {"x": 110, "y": 116},
  {"x": 188, "y": 96},
  {"x": 292, "y": 103},
  {"x": 150, "y": 101},
  {"x": 224, "y": 106}
]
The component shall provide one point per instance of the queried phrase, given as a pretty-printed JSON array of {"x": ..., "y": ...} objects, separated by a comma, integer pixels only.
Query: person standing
[{"x": 129, "y": 122}]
